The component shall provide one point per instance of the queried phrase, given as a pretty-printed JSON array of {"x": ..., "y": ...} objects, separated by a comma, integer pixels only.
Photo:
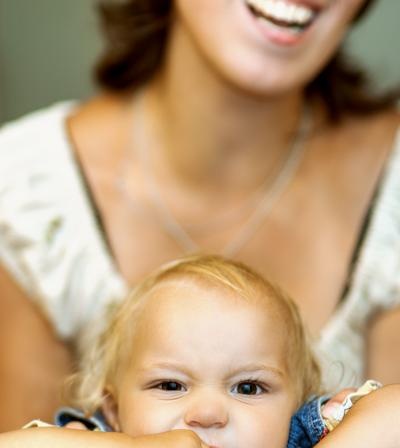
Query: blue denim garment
[
  {"x": 94, "y": 422},
  {"x": 306, "y": 426}
]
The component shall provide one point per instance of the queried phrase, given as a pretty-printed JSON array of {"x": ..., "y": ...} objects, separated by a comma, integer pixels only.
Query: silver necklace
[{"x": 272, "y": 190}]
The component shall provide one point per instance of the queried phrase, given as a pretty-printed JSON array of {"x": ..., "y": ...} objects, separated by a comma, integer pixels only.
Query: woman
[{"x": 223, "y": 126}]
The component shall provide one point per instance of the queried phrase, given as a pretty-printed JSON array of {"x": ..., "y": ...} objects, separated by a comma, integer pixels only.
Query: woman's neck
[{"x": 212, "y": 133}]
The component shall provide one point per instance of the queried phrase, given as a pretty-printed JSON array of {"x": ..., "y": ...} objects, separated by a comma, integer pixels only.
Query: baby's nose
[{"x": 206, "y": 410}]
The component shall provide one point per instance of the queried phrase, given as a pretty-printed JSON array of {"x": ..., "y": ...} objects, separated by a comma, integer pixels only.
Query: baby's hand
[
  {"x": 172, "y": 439},
  {"x": 334, "y": 412},
  {"x": 75, "y": 425},
  {"x": 330, "y": 408}
]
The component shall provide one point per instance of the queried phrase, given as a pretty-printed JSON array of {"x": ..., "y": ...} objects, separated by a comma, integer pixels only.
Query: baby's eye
[
  {"x": 170, "y": 386},
  {"x": 248, "y": 388}
]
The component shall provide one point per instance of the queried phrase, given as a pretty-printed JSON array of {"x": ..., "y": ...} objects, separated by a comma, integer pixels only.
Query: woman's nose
[{"x": 205, "y": 411}]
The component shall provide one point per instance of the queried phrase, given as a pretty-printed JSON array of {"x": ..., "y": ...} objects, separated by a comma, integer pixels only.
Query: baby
[{"x": 203, "y": 353}]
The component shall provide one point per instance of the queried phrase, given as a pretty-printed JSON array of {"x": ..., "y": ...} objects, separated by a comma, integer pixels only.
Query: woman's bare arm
[
  {"x": 63, "y": 438},
  {"x": 33, "y": 362},
  {"x": 72, "y": 438},
  {"x": 383, "y": 348},
  {"x": 373, "y": 422}
]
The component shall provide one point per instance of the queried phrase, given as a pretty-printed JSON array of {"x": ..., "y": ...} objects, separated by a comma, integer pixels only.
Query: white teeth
[{"x": 283, "y": 11}]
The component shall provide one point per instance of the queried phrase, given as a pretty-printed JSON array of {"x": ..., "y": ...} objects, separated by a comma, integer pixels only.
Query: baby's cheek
[
  {"x": 262, "y": 429},
  {"x": 148, "y": 418}
]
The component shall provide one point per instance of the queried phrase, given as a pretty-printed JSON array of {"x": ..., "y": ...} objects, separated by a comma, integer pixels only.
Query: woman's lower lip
[
  {"x": 279, "y": 35},
  {"x": 275, "y": 34}
]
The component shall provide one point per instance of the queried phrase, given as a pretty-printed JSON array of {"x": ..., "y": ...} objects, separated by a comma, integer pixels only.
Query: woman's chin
[{"x": 265, "y": 82}]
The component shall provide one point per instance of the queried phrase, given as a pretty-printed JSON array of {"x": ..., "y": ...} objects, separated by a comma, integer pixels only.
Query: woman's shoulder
[
  {"x": 371, "y": 127},
  {"x": 49, "y": 237},
  {"x": 34, "y": 151},
  {"x": 34, "y": 132},
  {"x": 35, "y": 121},
  {"x": 375, "y": 129}
]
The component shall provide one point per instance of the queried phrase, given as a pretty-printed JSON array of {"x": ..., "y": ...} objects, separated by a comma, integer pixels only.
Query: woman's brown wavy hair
[{"x": 136, "y": 33}]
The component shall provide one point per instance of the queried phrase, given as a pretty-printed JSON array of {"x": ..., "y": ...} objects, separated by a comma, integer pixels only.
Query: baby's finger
[
  {"x": 75, "y": 425},
  {"x": 340, "y": 396}
]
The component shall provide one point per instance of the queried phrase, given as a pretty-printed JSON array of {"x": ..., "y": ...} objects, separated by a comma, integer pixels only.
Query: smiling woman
[{"x": 214, "y": 129}]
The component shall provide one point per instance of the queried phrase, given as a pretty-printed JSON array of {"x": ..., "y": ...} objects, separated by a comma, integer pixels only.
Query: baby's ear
[{"x": 109, "y": 409}]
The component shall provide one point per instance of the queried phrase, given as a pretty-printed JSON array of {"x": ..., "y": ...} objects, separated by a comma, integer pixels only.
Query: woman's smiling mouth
[{"x": 287, "y": 16}]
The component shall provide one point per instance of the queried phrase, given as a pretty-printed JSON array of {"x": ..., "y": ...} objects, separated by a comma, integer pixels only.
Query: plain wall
[{"x": 47, "y": 49}]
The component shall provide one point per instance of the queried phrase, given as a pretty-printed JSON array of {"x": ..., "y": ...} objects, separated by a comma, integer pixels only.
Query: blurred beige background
[{"x": 47, "y": 48}]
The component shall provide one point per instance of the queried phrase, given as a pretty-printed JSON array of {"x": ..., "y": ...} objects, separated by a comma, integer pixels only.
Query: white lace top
[{"x": 51, "y": 243}]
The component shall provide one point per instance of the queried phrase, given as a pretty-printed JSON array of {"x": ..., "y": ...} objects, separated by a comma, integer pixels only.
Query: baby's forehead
[
  {"x": 188, "y": 324},
  {"x": 181, "y": 315},
  {"x": 176, "y": 290}
]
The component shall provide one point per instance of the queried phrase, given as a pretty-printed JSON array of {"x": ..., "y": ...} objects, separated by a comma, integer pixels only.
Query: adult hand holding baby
[
  {"x": 179, "y": 438},
  {"x": 67, "y": 438},
  {"x": 362, "y": 427}
]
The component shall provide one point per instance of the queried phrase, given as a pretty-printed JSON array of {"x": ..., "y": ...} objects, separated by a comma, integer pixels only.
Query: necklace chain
[{"x": 272, "y": 190}]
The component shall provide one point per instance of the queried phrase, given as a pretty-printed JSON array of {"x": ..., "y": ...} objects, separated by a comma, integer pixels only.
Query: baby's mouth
[{"x": 292, "y": 17}]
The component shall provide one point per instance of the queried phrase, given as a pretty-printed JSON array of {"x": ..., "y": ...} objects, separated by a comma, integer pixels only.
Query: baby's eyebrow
[
  {"x": 251, "y": 368},
  {"x": 257, "y": 368},
  {"x": 166, "y": 365}
]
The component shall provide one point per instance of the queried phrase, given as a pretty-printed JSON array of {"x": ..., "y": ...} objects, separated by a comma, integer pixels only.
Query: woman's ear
[{"x": 109, "y": 409}]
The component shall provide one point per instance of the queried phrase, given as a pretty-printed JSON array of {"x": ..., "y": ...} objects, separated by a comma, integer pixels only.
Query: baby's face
[{"x": 211, "y": 363}]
